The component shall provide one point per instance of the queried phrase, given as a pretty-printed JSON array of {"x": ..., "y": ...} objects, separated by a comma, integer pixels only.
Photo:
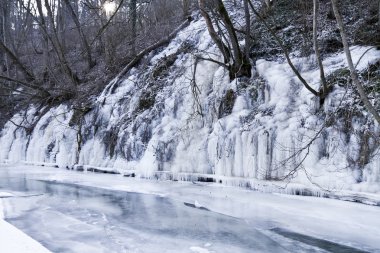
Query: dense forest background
[{"x": 57, "y": 51}]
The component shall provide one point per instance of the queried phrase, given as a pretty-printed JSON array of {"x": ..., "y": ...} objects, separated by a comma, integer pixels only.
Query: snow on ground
[
  {"x": 12, "y": 240},
  {"x": 351, "y": 224}
]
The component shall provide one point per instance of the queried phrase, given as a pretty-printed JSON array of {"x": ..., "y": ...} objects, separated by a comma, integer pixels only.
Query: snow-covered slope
[{"x": 160, "y": 122}]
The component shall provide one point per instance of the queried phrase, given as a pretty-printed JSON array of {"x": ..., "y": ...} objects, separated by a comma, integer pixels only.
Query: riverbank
[{"x": 13, "y": 240}]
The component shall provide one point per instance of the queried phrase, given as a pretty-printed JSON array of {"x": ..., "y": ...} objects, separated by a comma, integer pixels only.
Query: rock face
[{"x": 168, "y": 118}]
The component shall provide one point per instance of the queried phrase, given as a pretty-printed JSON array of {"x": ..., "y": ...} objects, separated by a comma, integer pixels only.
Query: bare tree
[
  {"x": 55, "y": 40},
  {"x": 214, "y": 35},
  {"x": 91, "y": 63},
  {"x": 48, "y": 48},
  {"x": 237, "y": 62},
  {"x": 285, "y": 51},
  {"x": 354, "y": 74}
]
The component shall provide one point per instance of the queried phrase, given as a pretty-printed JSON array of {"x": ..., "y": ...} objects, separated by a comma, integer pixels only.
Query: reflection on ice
[{"x": 72, "y": 218}]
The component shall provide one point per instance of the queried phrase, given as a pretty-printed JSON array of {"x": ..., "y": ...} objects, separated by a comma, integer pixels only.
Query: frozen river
[{"x": 67, "y": 217}]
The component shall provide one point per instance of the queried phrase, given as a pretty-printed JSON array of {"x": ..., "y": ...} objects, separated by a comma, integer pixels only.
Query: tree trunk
[
  {"x": 316, "y": 49},
  {"x": 85, "y": 44},
  {"x": 3, "y": 66},
  {"x": 4, "y": 27},
  {"x": 353, "y": 72},
  {"x": 133, "y": 13},
  {"x": 186, "y": 8},
  {"x": 248, "y": 41},
  {"x": 56, "y": 43},
  {"x": 61, "y": 23},
  {"x": 241, "y": 66},
  {"x": 45, "y": 39},
  {"x": 214, "y": 35},
  {"x": 378, "y": 15}
]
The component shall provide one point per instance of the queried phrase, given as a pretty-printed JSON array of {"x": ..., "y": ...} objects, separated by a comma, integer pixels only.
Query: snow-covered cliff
[{"x": 166, "y": 119}]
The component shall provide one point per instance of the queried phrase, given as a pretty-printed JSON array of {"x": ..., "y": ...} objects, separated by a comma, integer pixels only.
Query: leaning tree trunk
[{"x": 354, "y": 74}]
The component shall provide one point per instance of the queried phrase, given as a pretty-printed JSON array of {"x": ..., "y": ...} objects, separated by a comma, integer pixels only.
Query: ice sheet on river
[{"x": 223, "y": 218}]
